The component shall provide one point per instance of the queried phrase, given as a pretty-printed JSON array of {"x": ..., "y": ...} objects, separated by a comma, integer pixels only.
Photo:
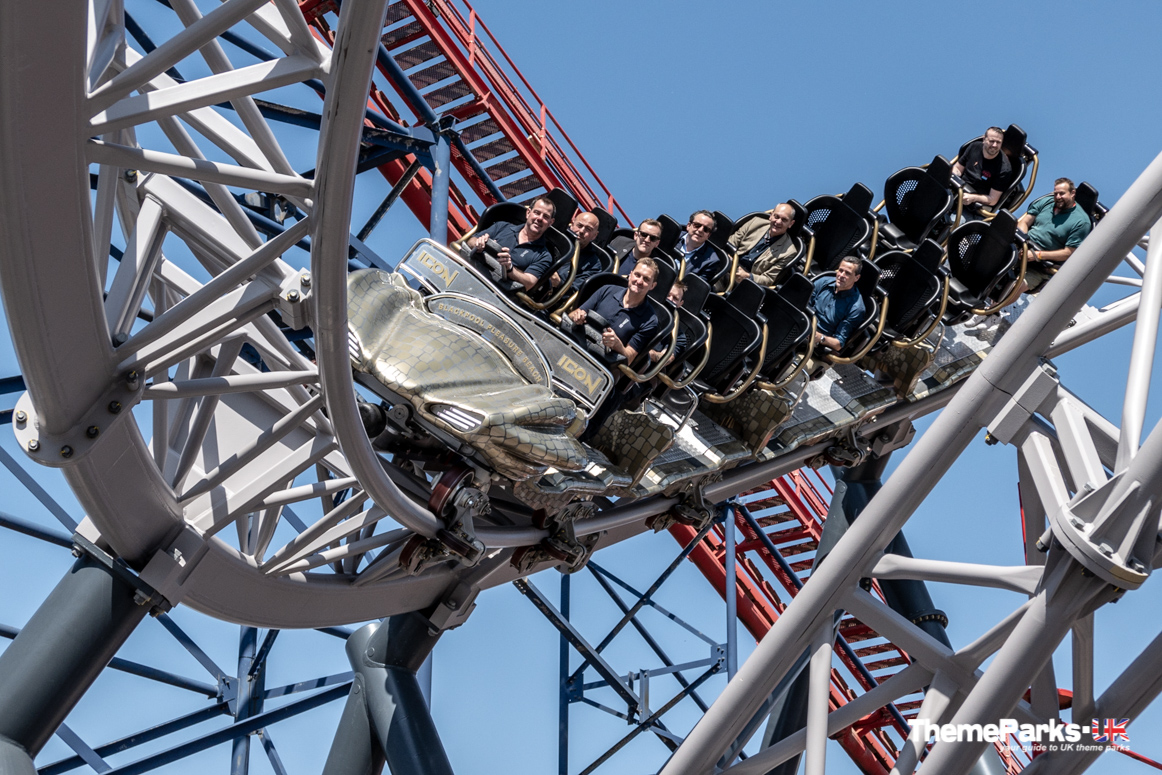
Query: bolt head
[
  {"x": 66, "y": 451},
  {"x": 1137, "y": 566},
  {"x": 33, "y": 445},
  {"x": 21, "y": 417},
  {"x": 292, "y": 296},
  {"x": 114, "y": 407},
  {"x": 1076, "y": 522},
  {"x": 131, "y": 175},
  {"x": 93, "y": 431},
  {"x": 1106, "y": 549},
  {"x": 305, "y": 279}
]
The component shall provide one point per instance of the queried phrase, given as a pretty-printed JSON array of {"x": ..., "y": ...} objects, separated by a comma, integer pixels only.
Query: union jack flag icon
[{"x": 1110, "y": 730}]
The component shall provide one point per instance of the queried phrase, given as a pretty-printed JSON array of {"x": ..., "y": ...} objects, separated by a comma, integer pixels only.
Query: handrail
[
  {"x": 1005, "y": 300},
  {"x": 693, "y": 375},
  {"x": 661, "y": 364},
  {"x": 869, "y": 345},
  {"x": 802, "y": 364},
  {"x": 935, "y": 322}
]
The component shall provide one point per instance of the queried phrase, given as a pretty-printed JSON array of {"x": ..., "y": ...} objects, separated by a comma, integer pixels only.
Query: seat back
[
  {"x": 839, "y": 231},
  {"x": 918, "y": 200},
  {"x": 733, "y": 336},
  {"x": 859, "y": 198},
  {"x": 723, "y": 228},
  {"x": 606, "y": 225},
  {"x": 697, "y": 291},
  {"x": 566, "y": 207},
  {"x": 671, "y": 231},
  {"x": 788, "y": 324},
  {"x": 666, "y": 276},
  {"x": 912, "y": 282},
  {"x": 982, "y": 253},
  {"x": 1087, "y": 201},
  {"x": 747, "y": 297}
]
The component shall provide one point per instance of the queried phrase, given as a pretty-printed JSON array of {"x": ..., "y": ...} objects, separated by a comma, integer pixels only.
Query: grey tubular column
[
  {"x": 59, "y": 653},
  {"x": 386, "y": 718}
]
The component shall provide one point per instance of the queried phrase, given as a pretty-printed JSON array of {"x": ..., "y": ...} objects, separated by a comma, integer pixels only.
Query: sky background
[{"x": 733, "y": 107}]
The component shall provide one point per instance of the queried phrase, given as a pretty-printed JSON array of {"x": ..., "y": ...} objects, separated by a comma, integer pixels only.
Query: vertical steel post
[
  {"x": 240, "y": 748},
  {"x": 731, "y": 593},
  {"x": 441, "y": 180},
  {"x": 818, "y": 701},
  {"x": 60, "y": 652},
  {"x": 386, "y": 717},
  {"x": 563, "y": 703}
]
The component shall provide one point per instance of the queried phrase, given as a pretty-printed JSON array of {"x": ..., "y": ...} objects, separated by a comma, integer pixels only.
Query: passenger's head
[
  {"x": 1064, "y": 194},
  {"x": 643, "y": 277},
  {"x": 677, "y": 294},
  {"x": 782, "y": 218},
  {"x": 646, "y": 237},
  {"x": 699, "y": 228},
  {"x": 540, "y": 216},
  {"x": 584, "y": 226},
  {"x": 847, "y": 273},
  {"x": 993, "y": 137}
]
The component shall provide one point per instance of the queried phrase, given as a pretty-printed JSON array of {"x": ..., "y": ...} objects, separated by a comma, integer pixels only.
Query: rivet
[
  {"x": 93, "y": 432},
  {"x": 66, "y": 451},
  {"x": 21, "y": 416},
  {"x": 114, "y": 407},
  {"x": 33, "y": 445}
]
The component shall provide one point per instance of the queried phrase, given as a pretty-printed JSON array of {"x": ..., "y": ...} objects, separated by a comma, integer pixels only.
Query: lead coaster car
[{"x": 457, "y": 383}]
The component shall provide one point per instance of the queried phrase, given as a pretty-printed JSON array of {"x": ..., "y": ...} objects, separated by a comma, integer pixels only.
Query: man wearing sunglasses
[
  {"x": 765, "y": 247},
  {"x": 626, "y": 253},
  {"x": 695, "y": 249}
]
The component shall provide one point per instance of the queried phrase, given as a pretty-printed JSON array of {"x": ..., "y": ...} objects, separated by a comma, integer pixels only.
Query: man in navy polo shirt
[
  {"x": 695, "y": 249},
  {"x": 631, "y": 319},
  {"x": 838, "y": 305},
  {"x": 525, "y": 255}
]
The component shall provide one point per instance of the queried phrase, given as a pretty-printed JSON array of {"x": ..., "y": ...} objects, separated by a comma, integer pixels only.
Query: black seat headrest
[
  {"x": 940, "y": 170},
  {"x": 929, "y": 255},
  {"x": 1087, "y": 200},
  {"x": 697, "y": 290},
  {"x": 859, "y": 198},
  {"x": 1015, "y": 141},
  {"x": 797, "y": 290},
  {"x": 566, "y": 206}
]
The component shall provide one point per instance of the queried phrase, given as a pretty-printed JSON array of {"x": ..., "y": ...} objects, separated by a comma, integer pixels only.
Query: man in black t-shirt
[{"x": 985, "y": 169}]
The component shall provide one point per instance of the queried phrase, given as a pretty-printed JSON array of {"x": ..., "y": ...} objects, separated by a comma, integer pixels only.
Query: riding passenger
[
  {"x": 764, "y": 250},
  {"x": 631, "y": 319},
  {"x": 646, "y": 238},
  {"x": 838, "y": 305},
  {"x": 524, "y": 254},
  {"x": 676, "y": 296},
  {"x": 1055, "y": 227},
  {"x": 589, "y": 262},
  {"x": 986, "y": 171},
  {"x": 694, "y": 246}
]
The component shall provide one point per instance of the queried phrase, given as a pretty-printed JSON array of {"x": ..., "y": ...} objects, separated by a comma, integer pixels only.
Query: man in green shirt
[{"x": 1056, "y": 226}]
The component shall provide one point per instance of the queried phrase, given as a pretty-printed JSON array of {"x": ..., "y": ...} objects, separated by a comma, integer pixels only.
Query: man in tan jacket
[{"x": 765, "y": 249}]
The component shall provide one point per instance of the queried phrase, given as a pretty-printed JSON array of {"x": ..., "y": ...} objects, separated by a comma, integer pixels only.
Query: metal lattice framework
[{"x": 247, "y": 429}]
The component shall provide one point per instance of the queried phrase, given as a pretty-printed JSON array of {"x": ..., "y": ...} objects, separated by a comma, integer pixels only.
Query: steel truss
[{"x": 175, "y": 336}]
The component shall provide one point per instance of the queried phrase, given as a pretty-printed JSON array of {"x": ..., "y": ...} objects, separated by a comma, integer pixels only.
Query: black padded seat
[
  {"x": 983, "y": 260},
  {"x": 693, "y": 327},
  {"x": 671, "y": 231},
  {"x": 789, "y": 315},
  {"x": 866, "y": 332},
  {"x": 697, "y": 291},
  {"x": 723, "y": 228},
  {"x": 566, "y": 207},
  {"x": 1087, "y": 201},
  {"x": 919, "y": 202},
  {"x": 734, "y": 334},
  {"x": 1015, "y": 146},
  {"x": 606, "y": 225},
  {"x": 914, "y": 283},
  {"x": 840, "y": 230}
]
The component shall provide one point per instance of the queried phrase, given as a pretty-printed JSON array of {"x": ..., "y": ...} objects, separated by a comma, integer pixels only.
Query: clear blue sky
[{"x": 734, "y": 106}]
